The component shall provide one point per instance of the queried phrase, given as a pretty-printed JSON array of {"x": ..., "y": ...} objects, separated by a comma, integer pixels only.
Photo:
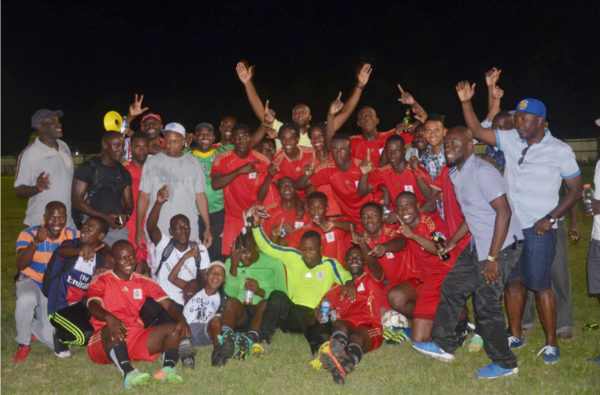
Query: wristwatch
[
  {"x": 491, "y": 258},
  {"x": 551, "y": 219}
]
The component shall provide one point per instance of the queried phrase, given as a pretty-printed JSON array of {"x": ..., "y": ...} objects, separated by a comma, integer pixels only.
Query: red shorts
[
  {"x": 137, "y": 347},
  {"x": 375, "y": 335},
  {"x": 414, "y": 282},
  {"x": 429, "y": 298}
]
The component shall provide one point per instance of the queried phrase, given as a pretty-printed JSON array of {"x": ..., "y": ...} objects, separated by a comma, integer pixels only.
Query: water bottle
[
  {"x": 325, "y": 306},
  {"x": 588, "y": 195},
  {"x": 248, "y": 296},
  {"x": 124, "y": 124},
  {"x": 440, "y": 245}
]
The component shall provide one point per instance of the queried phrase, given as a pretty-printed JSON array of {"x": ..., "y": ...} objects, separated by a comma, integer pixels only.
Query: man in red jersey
[
  {"x": 114, "y": 301},
  {"x": 139, "y": 145},
  {"x": 288, "y": 213},
  {"x": 243, "y": 175},
  {"x": 291, "y": 159}
]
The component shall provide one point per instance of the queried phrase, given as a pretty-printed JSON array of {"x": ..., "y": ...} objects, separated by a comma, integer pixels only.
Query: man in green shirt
[
  {"x": 309, "y": 277},
  {"x": 250, "y": 273},
  {"x": 206, "y": 152}
]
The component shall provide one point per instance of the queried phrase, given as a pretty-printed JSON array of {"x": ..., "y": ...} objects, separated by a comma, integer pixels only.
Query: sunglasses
[{"x": 520, "y": 162}]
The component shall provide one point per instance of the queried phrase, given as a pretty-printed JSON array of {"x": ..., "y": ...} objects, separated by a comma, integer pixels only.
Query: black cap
[{"x": 43, "y": 114}]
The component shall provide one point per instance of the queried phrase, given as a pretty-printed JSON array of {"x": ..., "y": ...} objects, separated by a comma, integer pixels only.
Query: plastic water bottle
[
  {"x": 440, "y": 244},
  {"x": 248, "y": 296},
  {"x": 124, "y": 124},
  {"x": 588, "y": 195},
  {"x": 325, "y": 306}
]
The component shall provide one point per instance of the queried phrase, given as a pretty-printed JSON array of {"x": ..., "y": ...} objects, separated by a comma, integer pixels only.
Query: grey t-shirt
[
  {"x": 184, "y": 177},
  {"x": 38, "y": 158}
]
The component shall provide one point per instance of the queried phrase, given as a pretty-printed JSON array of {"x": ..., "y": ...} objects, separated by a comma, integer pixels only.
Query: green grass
[{"x": 391, "y": 369}]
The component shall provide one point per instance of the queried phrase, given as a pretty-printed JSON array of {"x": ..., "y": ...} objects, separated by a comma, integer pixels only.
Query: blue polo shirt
[
  {"x": 534, "y": 185},
  {"x": 476, "y": 185}
]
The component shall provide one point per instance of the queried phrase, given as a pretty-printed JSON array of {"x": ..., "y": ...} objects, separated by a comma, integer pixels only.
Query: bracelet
[
  {"x": 360, "y": 87},
  {"x": 266, "y": 125}
]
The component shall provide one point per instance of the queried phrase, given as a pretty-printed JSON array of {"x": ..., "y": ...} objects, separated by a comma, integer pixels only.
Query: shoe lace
[
  {"x": 514, "y": 339},
  {"x": 547, "y": 350}
]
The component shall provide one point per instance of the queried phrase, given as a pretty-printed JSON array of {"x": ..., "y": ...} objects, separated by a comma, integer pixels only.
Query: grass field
[{"x": 391, "y": 369}]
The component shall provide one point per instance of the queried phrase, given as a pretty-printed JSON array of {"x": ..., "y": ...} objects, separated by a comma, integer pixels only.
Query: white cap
[
  {"x": 174, "y": 127},
  {"x": 216, "y": 263}
]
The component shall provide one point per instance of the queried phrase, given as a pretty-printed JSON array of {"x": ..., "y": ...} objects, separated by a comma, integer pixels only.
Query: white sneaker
[{"x": 63, "y": 354}]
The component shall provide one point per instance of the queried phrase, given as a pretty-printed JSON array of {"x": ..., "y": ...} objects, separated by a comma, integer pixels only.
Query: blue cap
[{"x": 532, "y": 106}]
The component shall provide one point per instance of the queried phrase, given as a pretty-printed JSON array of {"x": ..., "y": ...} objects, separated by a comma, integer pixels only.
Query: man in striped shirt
[{"x": 35, "y": 246}]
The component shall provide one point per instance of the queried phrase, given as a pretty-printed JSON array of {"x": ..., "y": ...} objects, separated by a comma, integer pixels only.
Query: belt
[{"x": 516, "y": 244}]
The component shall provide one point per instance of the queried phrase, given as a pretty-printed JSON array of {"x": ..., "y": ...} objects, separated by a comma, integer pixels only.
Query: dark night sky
[{"x": 89, "y": 57}]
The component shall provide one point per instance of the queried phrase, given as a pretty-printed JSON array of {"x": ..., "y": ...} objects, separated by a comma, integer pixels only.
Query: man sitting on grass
[
  {"x": 358, "y": 326},
  {"x": 114, "y": 301}
]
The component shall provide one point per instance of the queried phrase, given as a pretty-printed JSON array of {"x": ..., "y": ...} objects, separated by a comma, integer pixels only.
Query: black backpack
[{"x": 167, "y": 253}]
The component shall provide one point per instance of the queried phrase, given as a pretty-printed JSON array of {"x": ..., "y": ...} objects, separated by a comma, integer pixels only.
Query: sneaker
[
  {"x": 167, "y": 374},
  {"x": 61, "y": 350},
  {"x": 476, "y": 343},
  {"x": 396, "y": 335},
  {"x": 493, "y": 371},
  {"x": 462, "y": 337},
  {"x": 516, "y": 343},
  {"x": 21, "y": 353},
  {"x": 243, "y": 344},
  {"x": 551, "y": 354},
  {"x": 595, "y": 360},
  {"x": 224, "y": 350},
  {"x": 260, "y": 349},
  {"x": 337, "y": 361},
  {"x": 33, "y": 338},
  {"x": 470, "y": 327},
  {"x": 565, "y": 336},
  {"x": 135, "y": 378},
  {"x": 432, "y": 350},
  {"x": 316, "y": 363},
  {"x": 186, "y": 353}
]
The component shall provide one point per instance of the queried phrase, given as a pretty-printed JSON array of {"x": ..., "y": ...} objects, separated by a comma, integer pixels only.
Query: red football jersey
[
  {"x": 277, "y": 213},
  {"x": 366, "y": 308},
  {"x": 292, "y": 168},
  {"x": 335, "y": 242},
  {"x": 397, "y": 183},
  {"x": 123, "y": 298}
]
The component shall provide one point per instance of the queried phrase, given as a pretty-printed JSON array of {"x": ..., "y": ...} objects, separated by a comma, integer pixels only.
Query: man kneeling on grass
[
  {"x": 114, "y": 301},
  {"x": 358, "y": 326}
]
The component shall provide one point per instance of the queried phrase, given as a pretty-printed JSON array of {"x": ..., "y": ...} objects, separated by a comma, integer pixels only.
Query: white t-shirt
[
  {"x": 188, "y": 270},
  {"x": 201, "y": 308},
  {"x": 596, "y": 228}
]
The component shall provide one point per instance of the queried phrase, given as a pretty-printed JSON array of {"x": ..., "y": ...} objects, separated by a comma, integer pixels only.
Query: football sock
[
  {"x": 253, "y": 335},
  {"x": 119, "y": 355},
  {"x": 341, "y": 337},
  {"x": 226, "y": 328},
  {"x": 170, "y": 357},
  {"x": 355, "y": 352}
]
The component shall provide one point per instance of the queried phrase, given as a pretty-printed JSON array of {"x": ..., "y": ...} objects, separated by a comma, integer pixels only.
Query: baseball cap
[
  {"x": 151, "y": 115},
  {"x": 43, "y": 114},
  {"x": 204, "y": 125},
  {"x": 174, "y": 127},
  {"x": 532, "y": 106},
  {"x": 216, "y": 263}
]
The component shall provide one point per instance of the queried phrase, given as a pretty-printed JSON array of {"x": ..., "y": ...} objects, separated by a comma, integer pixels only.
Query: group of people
[{"x": 167, "y": 240}]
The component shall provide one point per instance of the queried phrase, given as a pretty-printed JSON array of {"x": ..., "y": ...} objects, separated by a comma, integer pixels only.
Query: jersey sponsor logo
[
  {"x": 137, "y": 293},
  {"x": 252, "y": 175},
  {"x": 83, "y": 282},
  {"x": 389, "y": 255},
  {"x": 330, "y": 237},
  {"x": 409, "y": 188},
  {"x": 320, "y": 275},
  {"x": 298, "y": 224}
]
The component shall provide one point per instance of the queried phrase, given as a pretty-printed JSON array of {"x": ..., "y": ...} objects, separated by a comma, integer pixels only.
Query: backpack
[
  {"x": 167, "y": 253},
  {"x": 56, "y": 269},
  {"x": 95, "y": 186}
]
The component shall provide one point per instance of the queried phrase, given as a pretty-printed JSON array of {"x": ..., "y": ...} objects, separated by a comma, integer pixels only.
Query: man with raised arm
[
  {"x": 45, "y": 168},
  {"x": 536, "y": 165},
  {"x": 496, "y": 233},
  {"x": 301, "y": 115}
]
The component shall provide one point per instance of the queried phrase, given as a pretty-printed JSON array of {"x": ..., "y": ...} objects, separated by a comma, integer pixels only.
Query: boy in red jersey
[
  {"x": 291, "y": 159},
  {"x": 288, "y": 213},
  {"x": 114, "y": 301},
  {"x": 417, "y": 229},
  {"x": 358, "y": 325},
  {"x": 243, "y": 175}
]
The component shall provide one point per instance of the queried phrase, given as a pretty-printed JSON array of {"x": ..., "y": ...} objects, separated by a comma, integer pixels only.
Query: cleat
[
  {"x": 224, "y": 350},
  {"x": 551, "y": 354},
  {"x": 316, "y": 363},
  {"x": 470, "y": 327},
  {"x": 515, "y": 343},
  {"x": 168, "y": 375},
  {"x": 336, "y": 360},
  {"x": 260, "y": 349},
  {"x": 21, "y": 353},
  {"x": 493, "y": 371},
  {"x": 136, "y": 379},
  {"x": 476, "y": 343},
  {"x": 432, "y": 350},
  {"x": 186, "y": 353},
  {"x": 462, "y": 337},
  {"x": 396, "y": 335},
  {"x": 243, "y": 344}
]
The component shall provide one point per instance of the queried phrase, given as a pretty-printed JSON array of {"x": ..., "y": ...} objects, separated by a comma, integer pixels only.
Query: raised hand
[
  {"x": 492, "y": 76},
  {"x": 326, "y": 225},
  {"x": 337, "y": 105},
  {"x": 357, "y": 237},
  {"x": 497, "y": 92},
  {"x": 277, "y": 230},
  {"x": 163, "y": 194},
  {"x": 405, "y": 97},
  {"x": 135, "y": 108},
  {"x": 377, "y": 251},
  {"x": 362, "y": 77},
  {"x": 43, "y": 181},
  {"x": 42, "y": 234},
  {"x": 244, "y": 72},
  {"x": 366, "y": 166},
  {"x": 269, "y": 116},
  {"x": 248, "y": 167},
  {"x": 273, "y": 169},
  {"x": 309, "y": 168},
  {"x": 193, "y": 253},
  {"x": 405, "y": 230},
  {"x": 413, "y": 162},
  {"x": 465, "y": 91}
]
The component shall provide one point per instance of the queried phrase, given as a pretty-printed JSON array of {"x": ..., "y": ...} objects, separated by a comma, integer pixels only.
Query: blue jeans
[{"x": 536, "y": 260}]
